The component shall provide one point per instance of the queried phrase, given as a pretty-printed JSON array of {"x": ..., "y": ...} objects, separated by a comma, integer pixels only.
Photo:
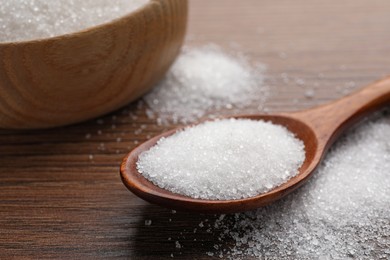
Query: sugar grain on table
[
  {"x": 342, "y": 213},
  {"x": 203, "y": 81}
]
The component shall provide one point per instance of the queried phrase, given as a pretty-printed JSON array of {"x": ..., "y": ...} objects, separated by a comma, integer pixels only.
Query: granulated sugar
[
  {"x": 224, "y": 159},
  {"x": 22, "y": 20},
  {"x": 342, "y": 213},
  {"x": 205, "y": 80}
]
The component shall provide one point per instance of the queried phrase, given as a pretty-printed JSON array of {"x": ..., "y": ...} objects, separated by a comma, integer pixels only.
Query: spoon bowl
[{"x": 318, "y": 128}]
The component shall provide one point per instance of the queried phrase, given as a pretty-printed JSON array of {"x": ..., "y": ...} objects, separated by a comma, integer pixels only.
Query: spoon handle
[{"x": 330, "y": 120}]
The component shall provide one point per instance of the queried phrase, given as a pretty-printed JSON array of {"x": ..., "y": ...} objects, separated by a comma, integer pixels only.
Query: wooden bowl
[{"x": 78, "y": 76}]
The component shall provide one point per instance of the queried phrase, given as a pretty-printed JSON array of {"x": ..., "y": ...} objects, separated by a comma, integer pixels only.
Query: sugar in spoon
[{"x": 317, "y": 127}]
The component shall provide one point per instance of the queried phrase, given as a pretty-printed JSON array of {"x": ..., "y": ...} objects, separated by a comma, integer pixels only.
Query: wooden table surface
[{"x": 61, "y": 195}]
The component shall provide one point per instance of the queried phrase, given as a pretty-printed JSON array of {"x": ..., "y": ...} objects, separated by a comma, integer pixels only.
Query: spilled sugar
[
  {"x": 342, "y": 213},
  {"x": 205, "y": 80},
  {"x": 22, "y": 20},
  {"x": 224, "y": 159}
]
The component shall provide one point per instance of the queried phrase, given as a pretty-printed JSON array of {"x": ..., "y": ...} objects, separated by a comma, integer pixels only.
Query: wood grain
[
  {"x": 67, "y": 79},
  {"x": 56, "y": 202}
]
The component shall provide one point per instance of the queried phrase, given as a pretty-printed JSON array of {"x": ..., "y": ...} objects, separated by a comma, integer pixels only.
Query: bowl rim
[{"x": 85, "y": 31}]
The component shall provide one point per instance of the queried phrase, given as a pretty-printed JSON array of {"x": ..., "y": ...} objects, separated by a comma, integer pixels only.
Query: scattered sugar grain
[
  {"x": 342, "y": 213},
  {"x": 22, "y": 20},
  {"x": 282, "y": 55},
  {"x": 148, "y": 222},
  {"x": 343, "y": 67},
  {"x": 204, "y": 80},
  {"x": 300, "y": 81},
  {"x": 223, "y": 159},
  {"x": 309, "y": 93},
  {"x": 350, "y": 84}
]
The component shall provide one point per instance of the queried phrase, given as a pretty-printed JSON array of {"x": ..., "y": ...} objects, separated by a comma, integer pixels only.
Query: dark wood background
[{"x": 60, "y": 191}]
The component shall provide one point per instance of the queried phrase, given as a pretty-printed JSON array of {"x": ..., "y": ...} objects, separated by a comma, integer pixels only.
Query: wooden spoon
[{"x": 318, "y": 128}]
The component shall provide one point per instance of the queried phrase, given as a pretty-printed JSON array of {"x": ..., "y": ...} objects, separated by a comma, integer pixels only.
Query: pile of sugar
[
  {"x": 22, "y": 20},
  {"x": 205, "y": 80},
  {"x": 224, "y": 159},
  {"x": 342, "y": 213}
]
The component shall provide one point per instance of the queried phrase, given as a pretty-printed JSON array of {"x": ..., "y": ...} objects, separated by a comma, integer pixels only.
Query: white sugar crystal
[
  {"x": 205, "y": 80},
  {"x": 309, "y": 93},
  {"x": 148, "y": 222},
  {"x": 224, "y": 159},
  {"x": 342, "y": 213},
  {"x": 22, "y": 20}
]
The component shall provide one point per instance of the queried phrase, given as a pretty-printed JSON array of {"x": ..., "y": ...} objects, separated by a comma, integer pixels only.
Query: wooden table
[{"x": 60, "y": 191}]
